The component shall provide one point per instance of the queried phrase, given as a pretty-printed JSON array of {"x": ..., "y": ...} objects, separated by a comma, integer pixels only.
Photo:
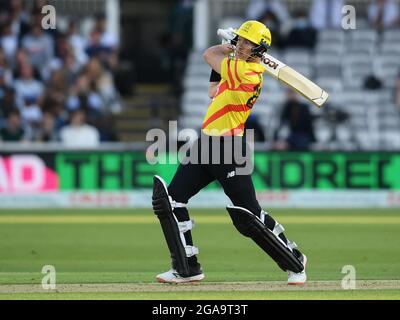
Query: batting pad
[
  {"x": 163, "y": 209},
  {"x": 251, "y": 226}
]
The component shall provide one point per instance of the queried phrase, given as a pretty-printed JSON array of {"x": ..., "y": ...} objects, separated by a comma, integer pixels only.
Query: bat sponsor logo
[{"x": 270, "y": 63}]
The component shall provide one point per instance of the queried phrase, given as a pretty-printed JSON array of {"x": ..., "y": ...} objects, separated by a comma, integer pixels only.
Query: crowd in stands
[
  {"x": 299, "y": 29},
  {"x": 48, "y": 78}
]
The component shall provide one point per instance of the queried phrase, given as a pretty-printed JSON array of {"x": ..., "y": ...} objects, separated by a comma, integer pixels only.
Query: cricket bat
[
  {"x": 295, "y": 80},
  {"x": 289, "y": 76}
]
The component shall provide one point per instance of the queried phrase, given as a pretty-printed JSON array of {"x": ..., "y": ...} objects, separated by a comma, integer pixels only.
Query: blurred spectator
[
  {"x": 95, "y": 49},
  {"x": 6, "y": 76},
  {"x": 181, "y": 24},
  {"x": 70, "y": 68},
  {"x": 105, "y": 126},
  {"x": 7, "y": 101},
  {"x": 383, "y": 14},
  {"x": 258, "y": 8},
  {"x": 107, "y": 38},
  {"x": 253, "y": 123},
  {"x": 62, "y": 49},
  {"x": 297, "y": 116},
  {"x": 58, "y": 111},
  {"x": 77, "y": 42},
  {"x": 83, "y": 95},
  {"x": 29, "y": 94},
  {"x": 6, "y": 92},
  {"x": 9, "y": 42},
  {"x": 6, "y": 83},
  {"x": 38, "y": 46},
  {"x": 175, "y": 44},
  {"x": 104, "y": 84},
  {"x": 78, "y": 133},
  {"x": 303, "y": 34},
  {"x": 13, "y": 130},
  {"x": 65, "y": 61},
  {"x": 19, "y": 18},
  {"x": 56, "y": 93},
  {"x": 21, "y": 59},
  {"x": 103, "y": 44},
  {"x": 47, "y": 130},
  {"x": 325, "y": 14},
  {"x": 274, "y": 14}
]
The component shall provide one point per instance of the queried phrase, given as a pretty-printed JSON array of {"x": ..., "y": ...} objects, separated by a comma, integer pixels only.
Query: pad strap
[
  {"x": 262, "y": 216},
  {"x": 175, "y": 204},
  {"x": 191, "y": 251},
  {"x": 292, "y": 245},
  {"x": 278, "y": 229},
  {"x": 185, "y": 226}
]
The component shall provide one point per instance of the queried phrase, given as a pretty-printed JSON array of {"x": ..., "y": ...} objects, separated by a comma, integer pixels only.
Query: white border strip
[{"x": 205, "y": 199}]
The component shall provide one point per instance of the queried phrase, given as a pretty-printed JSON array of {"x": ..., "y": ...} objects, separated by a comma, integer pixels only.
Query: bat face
[
  {"x": 295, "y": 80},
  {"x": 302, "y": 85}
]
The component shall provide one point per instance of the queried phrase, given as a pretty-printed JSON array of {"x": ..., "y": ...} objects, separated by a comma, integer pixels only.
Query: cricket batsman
[{"x": 238, "y": 74}]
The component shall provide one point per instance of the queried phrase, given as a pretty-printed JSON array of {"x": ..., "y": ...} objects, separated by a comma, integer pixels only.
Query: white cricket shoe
[
  {"x": 298, "y": 278},
  {"x": 172, "y": 276}
]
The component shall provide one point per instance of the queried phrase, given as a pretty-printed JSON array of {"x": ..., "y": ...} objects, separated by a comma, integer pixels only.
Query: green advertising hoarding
[{"x": 272, "y": 171}]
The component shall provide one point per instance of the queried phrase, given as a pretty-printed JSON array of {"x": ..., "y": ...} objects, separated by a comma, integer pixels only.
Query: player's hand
[{"x": 228, "y": 36}]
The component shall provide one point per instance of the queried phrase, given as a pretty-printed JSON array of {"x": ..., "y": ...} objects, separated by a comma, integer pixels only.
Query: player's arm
[{"x": 214, "y": 55}]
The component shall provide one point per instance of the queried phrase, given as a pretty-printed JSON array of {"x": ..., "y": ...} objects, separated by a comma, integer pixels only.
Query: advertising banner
[{"x": 124, "y": 179}]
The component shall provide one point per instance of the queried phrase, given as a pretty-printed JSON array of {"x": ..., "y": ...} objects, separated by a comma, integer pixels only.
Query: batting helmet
[{"x": 255, "y": 32}]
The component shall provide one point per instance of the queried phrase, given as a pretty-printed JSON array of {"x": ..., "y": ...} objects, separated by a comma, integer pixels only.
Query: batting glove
[{"x": 228, "y": 36}]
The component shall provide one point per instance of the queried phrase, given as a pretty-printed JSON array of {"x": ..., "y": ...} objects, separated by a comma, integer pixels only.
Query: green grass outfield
[{"x": 125, "y": 247}]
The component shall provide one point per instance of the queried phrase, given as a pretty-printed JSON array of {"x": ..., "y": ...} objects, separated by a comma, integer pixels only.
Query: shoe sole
[
  {"x": 193, "y": 281},
  {"x": 299, "y": 283}
]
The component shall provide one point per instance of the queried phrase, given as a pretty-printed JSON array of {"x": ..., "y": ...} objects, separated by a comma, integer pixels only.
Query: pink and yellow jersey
[{"x": 238, "y": 90}]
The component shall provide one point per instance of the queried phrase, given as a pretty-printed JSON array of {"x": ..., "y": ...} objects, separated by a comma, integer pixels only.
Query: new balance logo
[{"x": 231, "y": 174}]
